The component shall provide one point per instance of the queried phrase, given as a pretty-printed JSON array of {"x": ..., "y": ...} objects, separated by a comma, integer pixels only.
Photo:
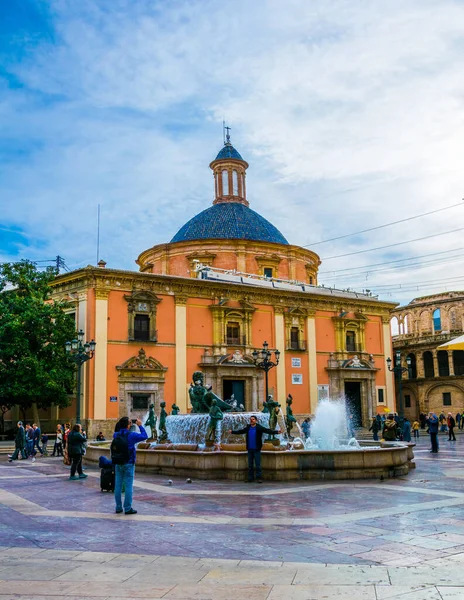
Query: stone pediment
[
  {"x": 142, "y": 362},
  {"x": 236, "y": 359}
]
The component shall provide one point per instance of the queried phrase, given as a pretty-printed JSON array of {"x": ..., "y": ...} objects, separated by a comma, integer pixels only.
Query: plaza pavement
[{"x": 364, "y": 540}]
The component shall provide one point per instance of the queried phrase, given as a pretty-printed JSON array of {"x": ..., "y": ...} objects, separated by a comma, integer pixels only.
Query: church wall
[
  {"x": 117, "y": 316},
  {"x": 262, "y": 326},
  {"x": 88, "y": 369},
  {"x": 166, "y": 320},
  {"x": 299, "y": 392},
  {"x": 374, "y": 336},
  {"x": 199, "y": 322},
  {"x": 325, "y": 332}
]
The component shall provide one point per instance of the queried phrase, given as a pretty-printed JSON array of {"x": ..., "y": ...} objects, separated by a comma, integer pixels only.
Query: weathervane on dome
[{"x": 226, "y": 133}]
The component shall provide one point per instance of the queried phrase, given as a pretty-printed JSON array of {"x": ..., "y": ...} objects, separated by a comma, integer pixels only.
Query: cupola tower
[{"x": 229, "y": 170}]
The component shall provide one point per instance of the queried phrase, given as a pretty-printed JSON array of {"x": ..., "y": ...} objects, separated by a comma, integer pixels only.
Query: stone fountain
[{"x": 199, "y": 445}]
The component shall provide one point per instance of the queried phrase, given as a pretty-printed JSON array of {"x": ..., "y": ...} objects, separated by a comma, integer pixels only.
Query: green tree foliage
[{"x": 34, "y": 368}]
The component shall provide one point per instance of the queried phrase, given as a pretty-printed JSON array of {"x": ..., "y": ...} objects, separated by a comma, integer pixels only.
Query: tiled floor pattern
[{"x": 401, "y": 538}]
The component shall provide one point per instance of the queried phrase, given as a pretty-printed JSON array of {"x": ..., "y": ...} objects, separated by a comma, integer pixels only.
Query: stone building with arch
[
  {"x": 226, "y": 282},
  {"x": 435, "y": 379}
]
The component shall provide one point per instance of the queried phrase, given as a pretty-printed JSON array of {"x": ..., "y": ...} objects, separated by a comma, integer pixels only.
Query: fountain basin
[{"x": 386, "y": 459}]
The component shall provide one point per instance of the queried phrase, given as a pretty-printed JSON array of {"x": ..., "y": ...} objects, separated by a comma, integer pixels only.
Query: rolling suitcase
[{"x": 107, "y": 478}]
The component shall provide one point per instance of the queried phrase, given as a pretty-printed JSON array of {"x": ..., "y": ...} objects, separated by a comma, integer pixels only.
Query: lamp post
[
  {"x": 398, "y": 371},
  {"x": 263, "y": 361},
  {"x": 80, "y": 352}
]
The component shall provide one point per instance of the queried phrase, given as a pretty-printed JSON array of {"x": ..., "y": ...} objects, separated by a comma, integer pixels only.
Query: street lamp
[
  {"x": 80, "y": 352},
  {"x": 263, "y": 361},
  {"x": 398, "y": 371}
]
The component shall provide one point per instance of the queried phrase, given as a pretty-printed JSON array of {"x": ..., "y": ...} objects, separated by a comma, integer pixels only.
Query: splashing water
[{"x": 329, "y": 428}]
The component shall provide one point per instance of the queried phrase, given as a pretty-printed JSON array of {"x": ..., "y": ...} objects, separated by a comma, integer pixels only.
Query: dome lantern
[{"x": 229, "y": 171}]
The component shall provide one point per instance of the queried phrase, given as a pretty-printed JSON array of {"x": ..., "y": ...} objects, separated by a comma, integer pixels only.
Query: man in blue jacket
[
  {"x": 254, "y": 441},
  {"x": 432, "y": 422},
  {"x": 123, "y": 455}
]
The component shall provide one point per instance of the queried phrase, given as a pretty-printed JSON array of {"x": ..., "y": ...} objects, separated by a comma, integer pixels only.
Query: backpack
[{"x": 120, "y": 454}]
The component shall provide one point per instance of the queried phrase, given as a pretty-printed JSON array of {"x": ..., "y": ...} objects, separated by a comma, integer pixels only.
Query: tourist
[
  {"x": 442, "y": 421},
  {"x": 389, "y": 429},
  {"x": 458, "y": 419},
  {"x": 375, "y": 429},
  {"x": 123, "y": 455},
  {"x": 406, "y": 430},
  {"x": 44, "y": 441},
  {"x": 58, "y": 447},
  {"x": 415, "y": 429},
  {"x": 254, "y": 442},
  {"x": 67, "y": 431},
  {"x": 451, "y": 425},
  {"x": 350, "y": 426},
  {"x": 422, "y": 420},
  {"x": 20, "y": 444},
  {"x": 432, "y": 422},
  {"x": 76, "y": 450},
  {"x": 30, "y": 441},
  {"x": 306, "y": 427},
  {"x": 37, "y": 432},
  {"x": 461, "y": 422},
  {"x": 100, "y": 437}
]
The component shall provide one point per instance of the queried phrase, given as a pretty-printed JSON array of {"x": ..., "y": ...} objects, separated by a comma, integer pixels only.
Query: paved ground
[{"x": 372, "y": 540}]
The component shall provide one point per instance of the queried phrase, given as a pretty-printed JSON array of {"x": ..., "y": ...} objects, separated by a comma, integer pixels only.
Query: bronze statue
[
  {"x": 151, "y": 422},
  {"x": 289, "y": 419},
  {"x": 162, "y": 423},
  {"x": 274, "y": 408},
  {"x": 215, "y": 415},
  {"x": 175, "y": 409},
  {"x": 201, "y": 397}
]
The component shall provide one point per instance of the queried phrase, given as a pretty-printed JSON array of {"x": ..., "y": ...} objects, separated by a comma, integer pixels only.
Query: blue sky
[{"x": 350, "y": 114}]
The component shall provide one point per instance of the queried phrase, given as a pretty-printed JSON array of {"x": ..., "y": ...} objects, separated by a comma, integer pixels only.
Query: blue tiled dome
[
  {"x": 230, "y": 221},
  {"x": 228, "y": 151}
]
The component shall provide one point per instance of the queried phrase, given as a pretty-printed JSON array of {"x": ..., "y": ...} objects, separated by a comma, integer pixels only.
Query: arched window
[
  {"x": 406, "y": 324},
  {"x": 394, "y": 326},
  {"x": 452, "y": 319},
  {"x": 225, "y": 183},
  {"x": 429, "y": 370},
  {"x": 234, "y": 183},
  {"x": 412, "y": 368},
  {"x": 443, "y": 365},
  {"x": 458, "y": 362},
  {"x": 436, "y": 320}
]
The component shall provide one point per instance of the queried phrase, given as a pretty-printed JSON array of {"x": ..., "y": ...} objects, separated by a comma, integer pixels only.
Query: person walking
[
  {"x": 254, "y": 442},
  {"x": 20, "y": 444},
  {"x": 432, "y": 422},
  {"x": 406, "y": 430},
  {"x": 306, "y": 427},
  {"x": 375, "y": 429},
  {"x": 30, "y": 442},
  {"x": 58, "y": 447},
  {"x": 458, "y": 419},
  {"x": 389, "y": 429},
  {"x": 415, "y": 429},
  {"x": 76, "y": 450},
  {"x": 123, "y": 456},
  {"x": 37, "y": 433},
  {"x": 451, "y": 425}
]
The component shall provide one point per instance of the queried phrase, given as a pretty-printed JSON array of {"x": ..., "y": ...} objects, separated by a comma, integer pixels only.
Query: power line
[
  {"x": 426, "y": 237},
  {"x": 386, "y": 262},
  {"x": 341, "y": 237},
  {"x": 419, "y": 265}
]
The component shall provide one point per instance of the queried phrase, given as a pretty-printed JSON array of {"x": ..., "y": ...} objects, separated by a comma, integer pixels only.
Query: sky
[{"x": 350, "y": 114}]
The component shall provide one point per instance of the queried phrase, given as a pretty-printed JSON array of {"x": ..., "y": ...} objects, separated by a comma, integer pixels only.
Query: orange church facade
[{"x": 227, "y": 282}]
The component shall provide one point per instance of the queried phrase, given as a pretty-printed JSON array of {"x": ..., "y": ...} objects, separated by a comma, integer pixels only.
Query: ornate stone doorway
[
  {"x": 141, "y": 382},
  {"x": 354, "y": 379},
  {"x": 234, "y": 371}
]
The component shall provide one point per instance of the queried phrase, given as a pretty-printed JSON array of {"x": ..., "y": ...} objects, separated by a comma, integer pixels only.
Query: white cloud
[{"x": 350, "y": 114}]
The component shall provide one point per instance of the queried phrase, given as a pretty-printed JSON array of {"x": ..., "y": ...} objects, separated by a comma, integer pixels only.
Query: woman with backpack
[{"x": 75, "y": 446}]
